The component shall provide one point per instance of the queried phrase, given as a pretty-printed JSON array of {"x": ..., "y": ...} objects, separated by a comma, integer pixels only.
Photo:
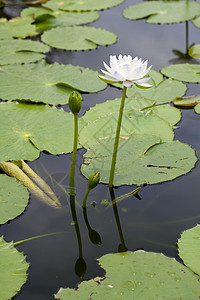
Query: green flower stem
[
  {"x": 73, "y": 162},
  {"x": 114, "y": 157},
  {"x": 85, "y": 197}
]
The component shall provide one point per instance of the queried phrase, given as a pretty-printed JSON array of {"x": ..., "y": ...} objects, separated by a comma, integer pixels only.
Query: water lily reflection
[{"x": 130, "y": 71}]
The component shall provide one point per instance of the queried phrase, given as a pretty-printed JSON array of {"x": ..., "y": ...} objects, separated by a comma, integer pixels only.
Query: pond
[{"x": 152, "y": 220}]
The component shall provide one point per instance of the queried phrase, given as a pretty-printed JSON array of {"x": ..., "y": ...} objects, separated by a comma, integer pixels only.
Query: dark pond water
[{"x": 152, "y": 223}]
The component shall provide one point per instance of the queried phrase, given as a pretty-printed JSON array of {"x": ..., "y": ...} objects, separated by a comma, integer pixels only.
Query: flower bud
[
  {"x": 93, "y": 180},
  {"x": 75, "y": 102}
]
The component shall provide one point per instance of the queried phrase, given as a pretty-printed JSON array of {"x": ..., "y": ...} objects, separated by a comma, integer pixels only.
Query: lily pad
[
  {"x": 167, "y": 112},
  {"x": 196, "y": 22},
  {"x": 78, "y": 38},
  {"x": 188, "y": 247},
  {"x": 50, "y": 84},
  {"x": 183, "y": 72},
  {"x": 13, "y": 268},
  {"x": 197, "y": 108},
  {"x": 45, "y": 19},
  {"x": 156, "y": 77},
  {"x": 27, "y": 129},
  {"x": 85, "y": 5},
  {"x": 187, "y": 101},
  {"x": 104, "y": 128},
  {"x": 141, "y": 159},
  {"x": 137, "y": 275},
  {"x": 21, "y": 51},
  {"x": 163, "y": 11},
  {"x": 13, "y": 198},
  {"x": 194, "y": 51},
  {"x": 164, "y": 92},
  {"x": 112, "y": 106},
  {"x": 17, "y": 27}
]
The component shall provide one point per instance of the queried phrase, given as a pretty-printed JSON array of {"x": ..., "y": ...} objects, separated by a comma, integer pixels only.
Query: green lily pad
[
  {"x": 13, "y": 198},
  {"x": 27, "y": 129},
  {"x": 50, "y": 84},
  {"x": 45, "y": 19},
  {"x": 137, "y": 275},
  {"x": 164, "y": 92},
  {"x": 197, "y": 108},
  {"x": 163, "y": 11},
  {"x": 194, "y": 51},
  {"x": 188, "y": 248},
  {"x": 13, "y": 268},
  {"x": 141, "y": 159},
  {"x": 167, "y": 112},
  {"x": 21, "y": 51},
  {"x": 85, "y": 5},
  {"x": 112, "y": 106},
  {"x": 17, "y": 27},
  {"x": 78, "y": 38},
  {"x": 187, "y": 101},
  {"x": 183, "y": 72},
  {"x": 196, "y": 21},
  {"x": 156, "y": 77},
  {"x": 104, "y": 128}
]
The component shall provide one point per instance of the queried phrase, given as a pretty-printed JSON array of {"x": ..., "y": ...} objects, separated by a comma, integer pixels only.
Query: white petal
[
  {"x": 106, "y": 73},
  {"x": 139, "y": 74},
  {"x": 108, "y": 78},
  {"x": 113, "y": 62},
  {"x": 107, "y": 67},
  {"x": 145, "y": 84},
  {"x": 143, "y": 80},
  {"x": 118, "y": 76},
  {"x": 144, "y": 73}
]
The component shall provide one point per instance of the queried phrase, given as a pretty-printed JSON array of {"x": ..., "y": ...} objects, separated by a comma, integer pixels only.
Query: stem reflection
[
  {"x": 93, "y": 235},
  {"x": 122, "y": 247},
  {"x": 80, "y": 265}
]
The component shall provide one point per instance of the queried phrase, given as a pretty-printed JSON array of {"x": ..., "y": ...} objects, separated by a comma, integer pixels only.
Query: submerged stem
[
  {"x": 114, "y": 157},
  {"x": 37, "y": 237},
  {"x": 122, "y": 197},
  {"x": 73, "y": 162}
]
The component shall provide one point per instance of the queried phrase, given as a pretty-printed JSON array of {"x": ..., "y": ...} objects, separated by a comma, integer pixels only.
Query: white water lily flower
[{"x": 127, "y": 70}]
